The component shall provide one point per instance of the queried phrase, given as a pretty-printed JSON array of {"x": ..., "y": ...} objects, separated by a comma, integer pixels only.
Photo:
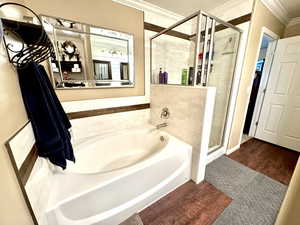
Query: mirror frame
[{"x": 131, "y": 56}]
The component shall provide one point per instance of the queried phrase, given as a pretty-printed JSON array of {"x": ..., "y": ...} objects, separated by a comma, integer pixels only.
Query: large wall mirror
[{"x": 87, "y": 56}]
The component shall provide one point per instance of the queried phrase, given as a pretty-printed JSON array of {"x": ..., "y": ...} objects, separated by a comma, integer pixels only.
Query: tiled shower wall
[
  {"x": 172, "y": 55},
  {"x": 191, "y": 110}
]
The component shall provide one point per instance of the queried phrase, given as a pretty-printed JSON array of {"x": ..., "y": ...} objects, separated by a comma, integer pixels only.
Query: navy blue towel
[{"x": 49, "y": 121}]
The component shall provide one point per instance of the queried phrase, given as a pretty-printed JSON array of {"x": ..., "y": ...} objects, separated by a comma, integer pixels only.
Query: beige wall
[
  {"x": 261, "y": 17},
  {"x": 13, "y": 210},
  {"x": 107, "y": 14},
  {"x": 292, "y": 31},
  {"x": 289, "y": 212}
]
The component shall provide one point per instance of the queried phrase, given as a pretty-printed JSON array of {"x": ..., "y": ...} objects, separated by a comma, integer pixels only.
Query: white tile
[
  {"x": 99, "y": 125},
  {"x": 76, "y": 106},
  {"x": 38, "y": 188},
  {"x": 22, "y": 144}
]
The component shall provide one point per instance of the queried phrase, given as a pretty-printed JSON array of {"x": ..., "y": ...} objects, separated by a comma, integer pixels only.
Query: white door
[
  {"x": 279, "y": 121},
  {"x": 262, "y": 86}
]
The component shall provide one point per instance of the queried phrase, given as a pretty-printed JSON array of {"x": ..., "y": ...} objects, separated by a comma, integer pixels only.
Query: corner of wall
[
  {"x": 289, "y": 211},
  {"x": 261, "y": 17},
  {"x": 189, "y": 120},
  {"x": 13, "y": 117}
]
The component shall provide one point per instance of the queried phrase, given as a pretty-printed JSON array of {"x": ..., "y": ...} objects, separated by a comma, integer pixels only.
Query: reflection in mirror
[
  {"x": 124, "y": 70},
  {"x": 89, "y": 56},
  {"x": 102, "y": 70}
]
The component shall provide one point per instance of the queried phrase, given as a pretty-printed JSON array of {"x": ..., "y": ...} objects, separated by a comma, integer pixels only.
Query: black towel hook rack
[{"x": 35, "y": 43}]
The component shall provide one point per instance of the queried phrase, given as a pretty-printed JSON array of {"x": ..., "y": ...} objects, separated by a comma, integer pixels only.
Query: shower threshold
[{"x": 214, "y": 148}]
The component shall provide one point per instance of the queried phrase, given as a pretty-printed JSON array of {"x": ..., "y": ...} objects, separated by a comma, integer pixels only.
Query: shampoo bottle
[
  {"x": 165, "y": 75},
  {"x": 184, "y": 77},
  {"x": 161, "y": 76},
  {"x": 191, "y": 76}
]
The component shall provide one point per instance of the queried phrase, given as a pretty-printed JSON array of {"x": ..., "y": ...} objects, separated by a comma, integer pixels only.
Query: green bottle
[{"x": 184, "y": 77}]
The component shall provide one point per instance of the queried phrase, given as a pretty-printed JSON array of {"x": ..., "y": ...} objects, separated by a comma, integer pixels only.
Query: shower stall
[{"x": 200, "y": 50}]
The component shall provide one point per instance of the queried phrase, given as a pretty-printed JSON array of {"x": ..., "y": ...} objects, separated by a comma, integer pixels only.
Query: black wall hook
[{"x": 36, "y": 45}]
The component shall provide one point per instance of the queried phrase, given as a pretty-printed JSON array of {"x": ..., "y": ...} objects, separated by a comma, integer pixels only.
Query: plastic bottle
[
  {"x": 161, "y": 76},
  {"x": 165, "y": 76}
]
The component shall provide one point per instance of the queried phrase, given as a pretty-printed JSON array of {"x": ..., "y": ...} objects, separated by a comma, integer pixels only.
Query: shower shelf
[{"x": 178, "y": 56}]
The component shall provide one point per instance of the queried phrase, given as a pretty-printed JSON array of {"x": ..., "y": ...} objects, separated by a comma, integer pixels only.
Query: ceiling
[
  {"x": 187, "y": 7},
  {"x": 292, "y": 7}
]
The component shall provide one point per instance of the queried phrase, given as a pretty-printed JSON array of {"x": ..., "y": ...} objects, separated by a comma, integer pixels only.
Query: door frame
[
  {"x": 262, "y": 88},
  {"x": 276, "y": 37}
]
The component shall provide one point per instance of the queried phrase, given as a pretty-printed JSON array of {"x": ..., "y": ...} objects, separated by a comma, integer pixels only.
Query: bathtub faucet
[{"x": 159, "y": 126}]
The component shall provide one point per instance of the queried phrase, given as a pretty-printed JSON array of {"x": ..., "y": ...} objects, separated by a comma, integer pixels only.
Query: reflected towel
[{"x": 49, "y": 121}]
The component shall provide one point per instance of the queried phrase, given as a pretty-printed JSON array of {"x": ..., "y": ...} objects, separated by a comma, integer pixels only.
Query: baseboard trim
[
  {"x": 229, "y": 151},
  {"x": 215, "y": 155}
]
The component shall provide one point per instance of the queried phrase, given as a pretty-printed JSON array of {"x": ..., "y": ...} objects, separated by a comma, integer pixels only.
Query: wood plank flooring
[
  {"x": 190, "y": 204},
  {"x": 271, "y": 160},
  {"x": 201, "y": 204}
]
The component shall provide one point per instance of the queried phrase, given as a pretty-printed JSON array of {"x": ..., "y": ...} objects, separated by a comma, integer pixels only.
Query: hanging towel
[{"x": 49, "y": 121}]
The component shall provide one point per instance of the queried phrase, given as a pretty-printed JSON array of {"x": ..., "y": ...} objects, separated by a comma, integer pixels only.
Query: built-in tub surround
[
  {"x": 36, "y": 182},
  {"x": 114, "y": 153},
  {"x": 101, "y": 125},
  {"x": 38, "y": 185},
  {"x": 191, "y": 111},
  {"x": 113, "y": 187},
  {"x": 108, "y": 154},
  {"x": 39, "y": 188}
]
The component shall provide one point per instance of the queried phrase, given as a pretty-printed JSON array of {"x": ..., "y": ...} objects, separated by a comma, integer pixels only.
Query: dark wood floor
[
  {"x": 190, "y": 204},
  {"x": 201, "y": 204},
  {"x": 271, "y": 160}
]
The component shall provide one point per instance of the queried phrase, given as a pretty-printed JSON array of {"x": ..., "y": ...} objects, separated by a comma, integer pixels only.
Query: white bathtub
[{"x": 116, "y": 176}]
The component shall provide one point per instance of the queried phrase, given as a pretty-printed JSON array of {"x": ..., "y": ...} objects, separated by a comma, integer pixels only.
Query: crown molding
[
  {"x": 278, "y": 10},
  {"x": 228, "y": 5},
  {"x": 232, "y": 9},
  {"x": 273, "y": 5},
  {"x": 294, "y": 21},
  {"x": 148, "y": 7}
]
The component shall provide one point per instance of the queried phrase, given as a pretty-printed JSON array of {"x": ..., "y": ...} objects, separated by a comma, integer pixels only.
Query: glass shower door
[
  {"x": 226, "y": 45},
  {"x": 200, "y": 50}
]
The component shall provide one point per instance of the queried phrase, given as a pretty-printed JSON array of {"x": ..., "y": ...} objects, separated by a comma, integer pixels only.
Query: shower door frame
[
  {"x": 222, "y": 148},
  {"x": 199, "y": 14}
]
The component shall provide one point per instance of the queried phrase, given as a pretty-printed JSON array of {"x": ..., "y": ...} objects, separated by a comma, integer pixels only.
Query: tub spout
[{"x": 159, "y": 126}]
